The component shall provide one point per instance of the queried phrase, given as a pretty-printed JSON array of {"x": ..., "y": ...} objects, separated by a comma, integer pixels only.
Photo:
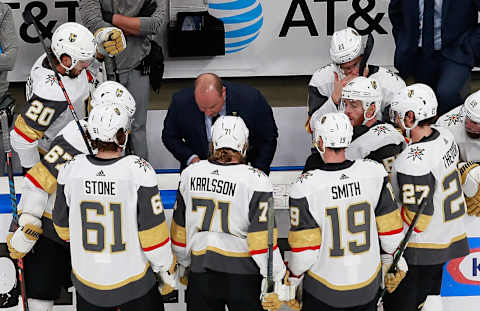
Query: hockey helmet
[
  {"x": 230, "y": 132},
  {"x": 74, "y": 40},
  {"x": 111, "y": 92},
  {"x": 104, "y": 122},
  {"x": 334, "y": 128},
  {"x": 346, "y": 45},
  {"x": 365, "y": 90},
  {"x": 472, "y": 107}
]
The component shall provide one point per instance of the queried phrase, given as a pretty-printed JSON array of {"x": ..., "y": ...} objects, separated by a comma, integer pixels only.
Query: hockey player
[
  {"x": 426, "y": 173},
  {"x": 109, "y": 208},
  {"x": 326, "y": 85},
  {"x": 372, "y": 139},
  {"x": 73, "y": 47},
  {"x": 219, "y": 227},
  {"x": 341, "y": 216},
  {"x": 47, "y": 274},
  {"x": 464, "y": 123}
]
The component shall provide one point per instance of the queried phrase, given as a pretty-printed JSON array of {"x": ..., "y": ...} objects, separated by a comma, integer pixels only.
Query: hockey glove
[
  {"x": 392, "y": 280},
  {"x": 281, "y": 293},
  {"x": 110, "y": 41},
  {"x": 295, "y": 302},
  {"x": 183, "y": 273},
  {"x": 470, "y": 174},
  {"x": 24, "y": 238},
  {"x": 168, "y": 279}
]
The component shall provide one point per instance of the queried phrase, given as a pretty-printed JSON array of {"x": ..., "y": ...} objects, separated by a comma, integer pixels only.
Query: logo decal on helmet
[
  {"x": 374, "y": 84},
  {"x": 72, "y": 38},
  {"x": 410, "y": 93},
  {"x": 117, "y": 111},
  {"x": 119, "y": 93}
]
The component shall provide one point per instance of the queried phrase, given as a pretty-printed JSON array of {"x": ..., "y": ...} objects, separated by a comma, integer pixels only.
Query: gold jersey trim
[
  {"x": 26, "y": 130},
  {"x": 178, "y": 233},
  {"x": 259, "y": 240},
  {"x": 305, "y": 238},
  {"x": 43, "y": 178},
  {"x": 153, "y": 236},
  {"x": 345, "y": 287},
  {"x": 112, "y": 286},
  {"x": 389, "y": 222},
  {"x": 221, "y": 252},
  {"x": 435, "y": 245},
  {"x": 63, "y": 233}
]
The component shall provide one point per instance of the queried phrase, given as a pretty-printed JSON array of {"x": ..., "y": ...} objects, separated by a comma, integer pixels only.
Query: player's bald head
[{"x": 209, "y": 93}]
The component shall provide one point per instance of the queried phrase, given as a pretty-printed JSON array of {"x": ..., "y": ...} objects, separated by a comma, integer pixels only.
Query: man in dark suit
[
  {"x": 186, "y": 129},
  {"x": 437, "y": 44}
]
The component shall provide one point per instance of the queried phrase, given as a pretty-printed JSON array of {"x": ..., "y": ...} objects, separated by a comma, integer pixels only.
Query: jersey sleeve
[
  {"x": 178, "y": 231},
  {"x": 61, "y": 209},
  {"x": 305, "y": 236},
  {"x": 388, "y": 219},
  {"x": 257, "y": 236},
  {"x": 152, "y": 225},
  {"x": 320, "y": 92},
  {"x": 31, "y": 125},
  {"x": 413, "y": 190}
]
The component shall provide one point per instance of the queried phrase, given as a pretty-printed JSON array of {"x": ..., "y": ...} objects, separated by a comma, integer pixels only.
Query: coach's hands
[
  {"x": 24, "y": 238},
  {"x": 110, "y": 41},
  {"x": 392, "y": 280}
]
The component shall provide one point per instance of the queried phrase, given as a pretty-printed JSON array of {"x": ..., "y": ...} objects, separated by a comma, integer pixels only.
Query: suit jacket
[
  {"x": 460, "y": 32},
  {"x": 184, "y": 130}
]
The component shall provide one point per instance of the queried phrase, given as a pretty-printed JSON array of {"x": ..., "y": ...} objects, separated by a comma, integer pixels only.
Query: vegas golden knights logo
[
  {"x": 374, "y": 84},
  {"x": 119, "y": 92},
  {"x": 410, "y": 93},
  {"x": 117, "y": 111},
  {"x": 72, "y": 38}
]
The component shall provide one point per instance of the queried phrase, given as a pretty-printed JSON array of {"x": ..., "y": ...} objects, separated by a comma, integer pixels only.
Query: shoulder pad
[
  {"x": 453, "y": 118},
  {"x": 322, "y": 76}
]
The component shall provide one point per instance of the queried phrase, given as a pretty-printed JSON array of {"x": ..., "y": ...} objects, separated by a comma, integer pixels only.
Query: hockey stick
[
  {"x": 29, "y": 20},
  {"x": 13, "y": 199},
  {"x": 402, "y": 247},
  {"x": 366, "y": 54},
  {"x": 270, "y": 228}
]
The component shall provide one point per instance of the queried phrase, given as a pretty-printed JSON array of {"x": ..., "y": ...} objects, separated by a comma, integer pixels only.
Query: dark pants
[
  {"x": 212, "y": 291},
  {"x": 151, "y": 301},
  {"x": 47, "y": 269},
  {"x": 447, "y": 78},
  {"x": 412, "y": 292},
  {"x": 310, "y": 303}
]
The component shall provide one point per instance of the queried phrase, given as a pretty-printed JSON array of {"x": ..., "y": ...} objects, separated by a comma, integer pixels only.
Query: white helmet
[
  {"x": 230, "y": 132},
  {"x": 346, "y": 45},
  {"x": 335, "y": 130},
  {"x": 111, "y": 92},
  {"x": 74, "y": 40},
  {"x": 104, "y": 122},
  {"x": 418, "y": 98},
  {"x": 472, "y": 107},
  {"x": 365, "y": 90}
]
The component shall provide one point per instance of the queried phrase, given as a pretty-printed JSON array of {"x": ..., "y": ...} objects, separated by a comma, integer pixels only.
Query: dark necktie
[{"x": 427, "y": 29}]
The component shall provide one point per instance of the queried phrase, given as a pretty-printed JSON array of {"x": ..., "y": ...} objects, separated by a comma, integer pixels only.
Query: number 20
[{"x": 39, "y": 113}]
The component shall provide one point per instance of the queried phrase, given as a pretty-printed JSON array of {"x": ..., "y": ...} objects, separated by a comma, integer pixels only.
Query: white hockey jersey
[
  {"x": 337, "y": 214},
  {"x": 111, "y": 211},
  {"x": 46, "y": 111},
  {"x": 454, "y": 121},
  {"x": 426, "y": 171},
  {"x": 380, "y": 142},
  {"x": 220, "y": 220},
  {"x": 40, "y": 183},
  {"x": 322, "y": 81}
]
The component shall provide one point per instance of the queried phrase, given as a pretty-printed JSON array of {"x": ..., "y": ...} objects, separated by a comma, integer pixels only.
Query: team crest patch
[
  {"x": 304, "y": 177},
  {"x": 72, "y": 38},
  {"x": 119, "y": 93},
  {"x": 50, "y": 79},
  {"x": 381, "y": 129},
  {"x": 416, "y": 153},
  {"x": 454, "y": 119},
  {"x": 143, "y": 164}
]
